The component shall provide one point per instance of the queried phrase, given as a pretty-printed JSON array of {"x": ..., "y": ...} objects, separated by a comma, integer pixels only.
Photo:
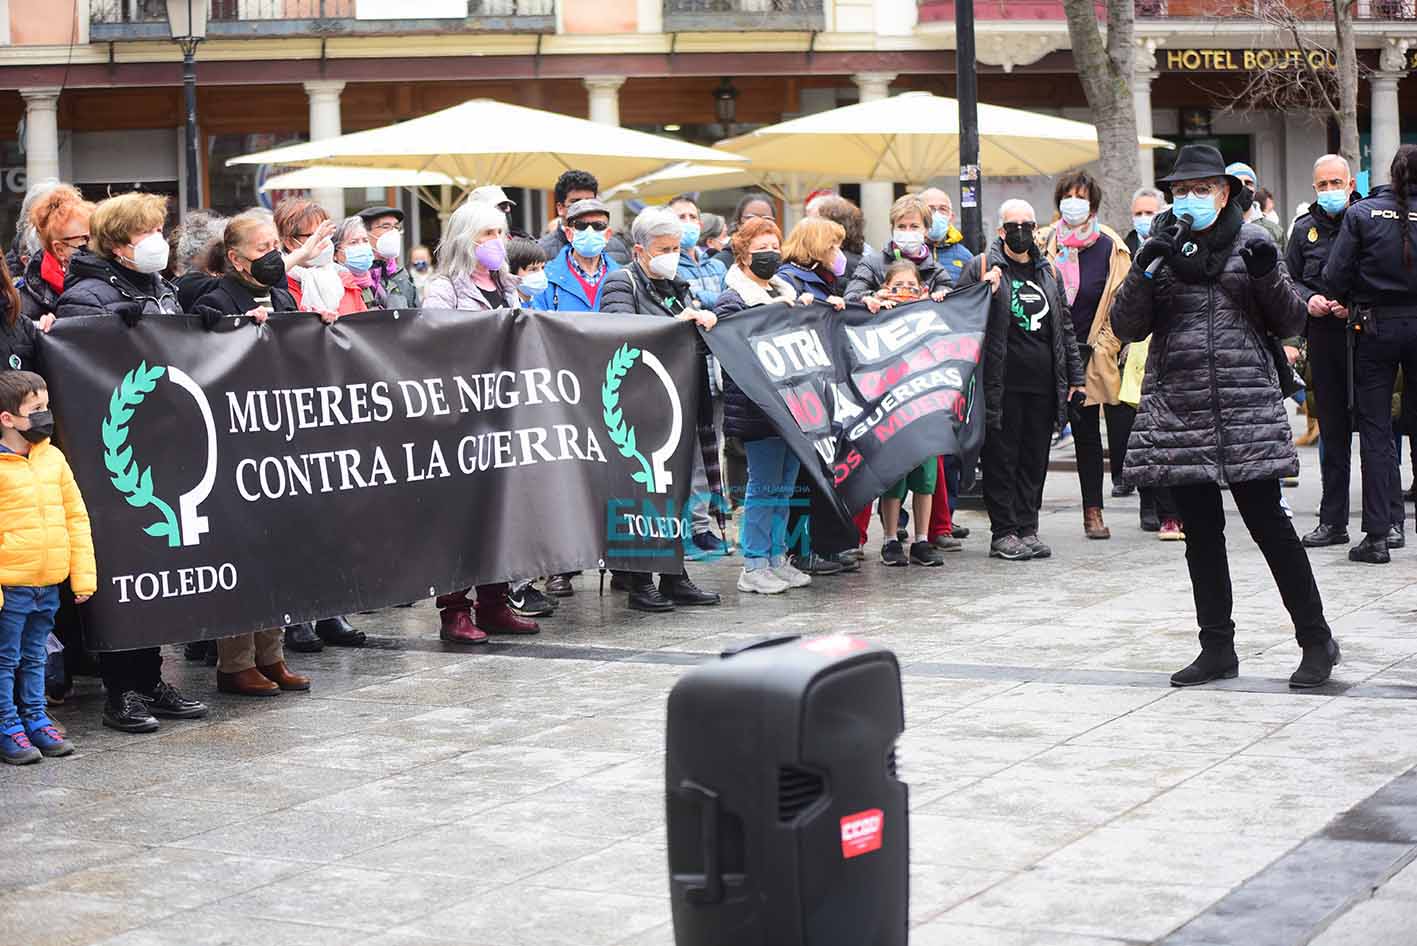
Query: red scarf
[{"x": 51, "y": 272}]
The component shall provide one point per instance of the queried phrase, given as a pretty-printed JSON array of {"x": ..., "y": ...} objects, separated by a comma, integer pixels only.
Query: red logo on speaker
[{"x": 861, "y": 833}]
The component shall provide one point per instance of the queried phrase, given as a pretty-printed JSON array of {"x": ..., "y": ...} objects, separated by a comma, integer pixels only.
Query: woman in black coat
[
  {"x": 19, "y": 334},
  {"x": 1211, "y": 411},
  {"x": 120, "y": 277}
]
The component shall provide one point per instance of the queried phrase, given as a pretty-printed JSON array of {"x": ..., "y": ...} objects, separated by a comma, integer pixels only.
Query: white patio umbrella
[
  {"x": 439, "y": 191},
  {"x": 914, "y": 136},
  {"x": 470, "y": 142},
  {"x": 694, "y": 178}
]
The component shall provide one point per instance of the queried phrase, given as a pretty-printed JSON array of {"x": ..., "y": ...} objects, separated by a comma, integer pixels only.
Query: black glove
[
  {"x": 1260, "y": 256},
  {"x": 1161, "y": 246},
  {"x": 129, "y": 311}
]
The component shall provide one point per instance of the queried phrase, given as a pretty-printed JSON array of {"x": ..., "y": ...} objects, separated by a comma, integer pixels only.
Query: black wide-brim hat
[{"x": 1194, "y": 162}]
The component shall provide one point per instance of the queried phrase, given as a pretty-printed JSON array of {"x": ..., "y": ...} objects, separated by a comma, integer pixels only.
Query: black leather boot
[
  {"x": 338, "y": 632},
  {"x": 1210, "y": 665},
  {"x": 301, "y": 638},
  {"x": 644, "y": 596},
  {"x": 681, "y": 589},
  {"x": 1317, "y": 665},
  {"x": 1372, "y": 550},
  {"x": 1325, "y": 535}
]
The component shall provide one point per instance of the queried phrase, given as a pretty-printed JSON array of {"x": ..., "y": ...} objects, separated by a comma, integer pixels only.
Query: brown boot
[
  {"x": 1309, "y": 437},
  {"x": 1092, "y": 525},
  {"x": 248, "y": 682},
  {"x": 279, "y": 674}
]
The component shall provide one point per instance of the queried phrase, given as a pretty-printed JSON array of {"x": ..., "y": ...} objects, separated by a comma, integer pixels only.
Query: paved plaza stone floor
[{"x": 1062, "y": 793}]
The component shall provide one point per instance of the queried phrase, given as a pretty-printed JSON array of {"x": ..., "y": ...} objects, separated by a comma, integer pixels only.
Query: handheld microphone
[{"x": 1186, "y": 221}]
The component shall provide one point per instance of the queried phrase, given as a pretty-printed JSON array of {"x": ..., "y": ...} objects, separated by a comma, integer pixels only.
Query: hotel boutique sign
[{"x": 1244, "y": 60}]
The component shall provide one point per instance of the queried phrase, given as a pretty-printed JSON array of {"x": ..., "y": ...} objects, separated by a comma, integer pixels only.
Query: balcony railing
[
  {"x": 243, "y": 19},
  {"x": 1319, "y": 10},
  {"x": 734, "y": 15}
]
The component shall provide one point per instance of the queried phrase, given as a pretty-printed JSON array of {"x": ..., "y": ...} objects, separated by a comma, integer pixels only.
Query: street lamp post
[
  {"x": 187, "y": 19},
  {"x": 967, "y": 91}
]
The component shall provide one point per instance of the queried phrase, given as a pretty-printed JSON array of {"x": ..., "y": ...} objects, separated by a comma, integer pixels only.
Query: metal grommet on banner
[
  {"x": 432, "y": 592},
  {"x": 286, "y": 618},
  {"x": 396, "y": 315}
]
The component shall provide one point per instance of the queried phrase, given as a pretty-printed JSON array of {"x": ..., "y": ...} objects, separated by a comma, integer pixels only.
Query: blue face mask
[
  {"x": 358, "y": 258},
  {"x": 1333, "y": 202},
  {"x": 589, "y": 243},
  {"x": 939, "y": 226},
  {"x": 689, "y": 236},
  {"x": 1201, "y": 210},
  {"x": 1142, "y": 225}
]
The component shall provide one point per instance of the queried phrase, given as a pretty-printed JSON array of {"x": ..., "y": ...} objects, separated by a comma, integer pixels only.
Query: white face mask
[
  {"x": 326, "y": 258},
  {"x": 534, "y": 281},
  {"x": 909, "y": 241},
  {"x": 150, "y": 254},
  {"x": 664, "y": 266},
  {"x": 390, "y": 244},
  {"x": 1075, "y": 210}
]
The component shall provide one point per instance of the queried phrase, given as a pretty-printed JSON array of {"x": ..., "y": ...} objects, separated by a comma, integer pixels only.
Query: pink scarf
[{"x": 1071, "y": 242}]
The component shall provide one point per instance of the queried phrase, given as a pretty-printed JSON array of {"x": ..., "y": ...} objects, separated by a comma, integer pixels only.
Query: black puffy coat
[
  {"x": 1067, "y": 364},
  {"x": 99, "y": 286},
  {"x": 37, "y": 297},
  {"x": 1211, "y": 410},
  {"x": 870, "y": 274},
  {"x": 742, "y": 417},
  {"x": 19, "y": 339},
  {"x": 629, "y": 291}
]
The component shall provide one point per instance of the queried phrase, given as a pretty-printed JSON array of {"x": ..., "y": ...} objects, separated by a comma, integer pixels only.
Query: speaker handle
[{"x": 712, "y": 889}]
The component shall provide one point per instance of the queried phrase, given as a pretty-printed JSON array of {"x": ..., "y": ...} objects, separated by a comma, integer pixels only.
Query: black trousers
[
  {"x": 124, "y": 670},
  {"x": 1258, "y": 501},
  {"x": 1375, "y": 372},
  {"x": 1328, "y": 366},
  {"x": 1087, "y": 441},
  {"x": 811, "y": 515},
  {"x": 1015, "y": 460},
  {"x": 1159, "y": 498}
]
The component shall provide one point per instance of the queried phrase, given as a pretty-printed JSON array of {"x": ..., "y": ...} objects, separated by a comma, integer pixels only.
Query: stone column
[
  {"x": 876, "y": 196},
  {"x": 41, "y": 134},
  {"x": 1144, "y": 73},
  {"x": 1386, "y": 119},
  {"x": 605, "y": 110},
  {"x": 325, "y": 122}
]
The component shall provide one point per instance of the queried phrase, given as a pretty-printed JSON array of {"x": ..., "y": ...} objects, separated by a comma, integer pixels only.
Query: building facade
[{"x": 91, "y": 90}]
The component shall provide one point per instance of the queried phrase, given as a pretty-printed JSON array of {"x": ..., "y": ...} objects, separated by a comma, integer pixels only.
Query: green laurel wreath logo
[
  {"x": 135, "y": 485},
  {"x": 622, "y": 434}
]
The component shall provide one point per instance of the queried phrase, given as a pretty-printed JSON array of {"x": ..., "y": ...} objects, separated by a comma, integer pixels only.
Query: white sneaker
[
  {"x": 794, "y": 577},
  {"x": 761, "y": 581}
]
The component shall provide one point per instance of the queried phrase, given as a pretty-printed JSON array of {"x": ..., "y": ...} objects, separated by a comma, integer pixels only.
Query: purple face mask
[
  {"x": 839, "y": 263},
  {"x": 492, "y": 254}
]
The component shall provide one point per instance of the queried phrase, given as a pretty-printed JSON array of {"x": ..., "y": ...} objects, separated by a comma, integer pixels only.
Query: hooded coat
[{"x": 1211, "y": 410}]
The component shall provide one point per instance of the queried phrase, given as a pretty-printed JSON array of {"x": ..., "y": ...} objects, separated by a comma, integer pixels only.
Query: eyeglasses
[
  {"x": 386, "y": 227},
  {"x": 747, "y": 217},
  {"x": 596, "y": 225},
  {"x": 1196, "y": 188},
  {"x": 77, "y": 241}
]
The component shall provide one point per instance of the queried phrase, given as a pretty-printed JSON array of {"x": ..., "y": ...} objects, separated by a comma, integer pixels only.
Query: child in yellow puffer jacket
[{"x": 46, "y": 540}]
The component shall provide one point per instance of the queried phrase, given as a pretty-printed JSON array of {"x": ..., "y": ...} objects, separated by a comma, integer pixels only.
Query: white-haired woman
[
  {"x": 472, "y": 273},
  {"x": 355, "y": 252},
  {"x": 650, "y": 286},
  {"x": 473, "y": 277}
]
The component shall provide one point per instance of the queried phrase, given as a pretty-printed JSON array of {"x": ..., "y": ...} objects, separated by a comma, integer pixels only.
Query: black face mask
[
  {"x": 765, "y": 263},
  {"x": 269, "y": 270},
  {"x": 1019, "y": 237},
  {"x": 41, "y": 426}
]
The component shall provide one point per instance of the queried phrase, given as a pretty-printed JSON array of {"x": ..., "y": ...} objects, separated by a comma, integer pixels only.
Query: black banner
[
  {"x": 863, "y": 399},
  {"x": 250, "y": 477}
]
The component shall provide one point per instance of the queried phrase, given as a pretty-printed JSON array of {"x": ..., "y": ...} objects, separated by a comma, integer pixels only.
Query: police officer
[
  {"x": 1373, "y": 269},
  {"x": 1328, "y": 336}
]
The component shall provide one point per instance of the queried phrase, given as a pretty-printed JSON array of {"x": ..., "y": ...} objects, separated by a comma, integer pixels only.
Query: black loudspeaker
[{"x": 788, "y": 825}]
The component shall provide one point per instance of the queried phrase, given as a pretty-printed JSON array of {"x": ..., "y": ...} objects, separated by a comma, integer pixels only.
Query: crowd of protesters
[{"x": 1172, "y": 342}]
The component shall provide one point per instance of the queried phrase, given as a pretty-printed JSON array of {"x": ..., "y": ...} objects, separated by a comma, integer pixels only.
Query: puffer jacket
[
  {"x": 1067, "y": 364},
  {"x": 462, "y": 294},
  {"x": 37, "y": 297},
  {"x": 19, "y": 340},
  {"x": 1211, "y": 410},
  {"x": 99, "y": 286},
  {"x": 629, "y": 291},
  {"x": 704, "y": 275},
  {"x": 952, "y": 255},
  {"x": 809, "y": 280},
  {"x": 46, "y": 536},
  {"x": 870, "y": 274},
  {"x": 742, "y": 418}
]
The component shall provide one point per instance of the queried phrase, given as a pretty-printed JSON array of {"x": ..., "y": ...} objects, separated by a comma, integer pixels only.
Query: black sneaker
[
  {"x": 815, "y": 564},
  {"x": 1317, "y": 665},
  {"x": 1036, "y": 546},
  {"x": 959, "y": 531},
  {"x": 1210, "y": 665},
  {"x": 924, "y": 553},
  {"x": 1371, "y": 551},
  {"x": 125, "y": 712},
  {"x": 847, "y": 560},
  {"x": 530, "y": 603},
  {"x": 644, "y": 596},
  {"x": 893, "y": 554},
  {"x": 167, "y": 702},
  {"x": 705, "y": 545},
  {"x": 1010, "y": 548},
  {"x": 559, "y": 586},
  {"x": 1326, "y": 535}
]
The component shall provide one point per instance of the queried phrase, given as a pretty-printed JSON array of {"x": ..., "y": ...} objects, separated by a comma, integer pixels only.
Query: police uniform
[
  {"x": 1308, "y": 250},
  {"x": 1365, "y": 270}
]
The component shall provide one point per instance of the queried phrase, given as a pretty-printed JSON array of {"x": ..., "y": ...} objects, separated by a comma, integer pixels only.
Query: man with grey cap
[
  {"x": 385, "y": 226},
  {"x": 574, "y": 276}
]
